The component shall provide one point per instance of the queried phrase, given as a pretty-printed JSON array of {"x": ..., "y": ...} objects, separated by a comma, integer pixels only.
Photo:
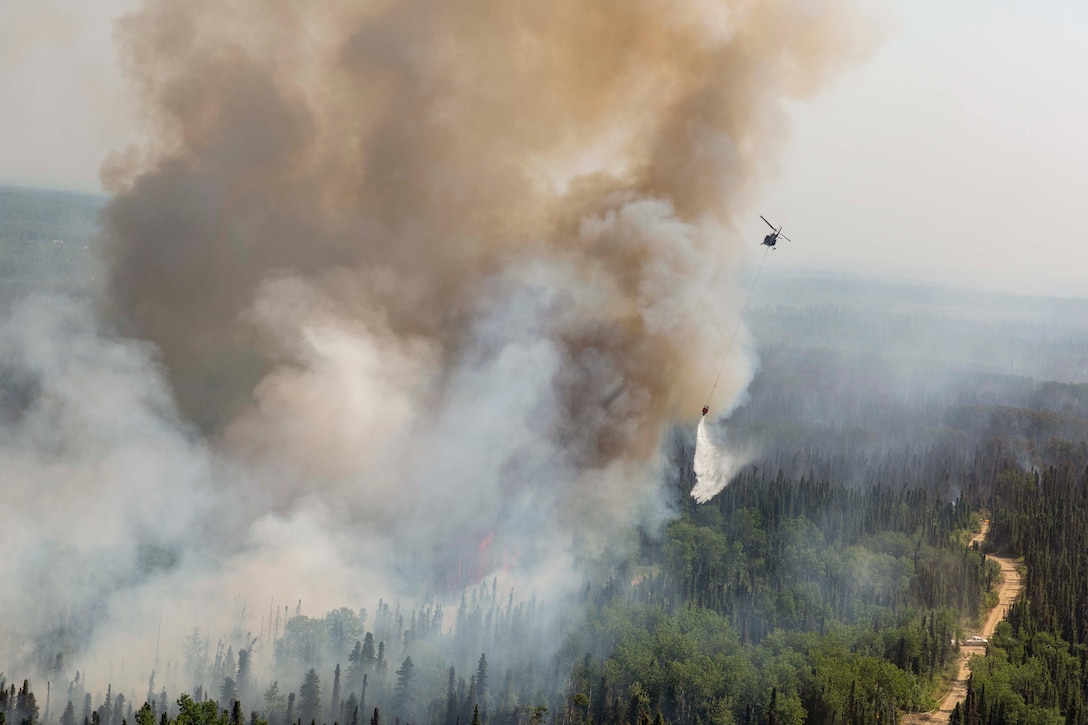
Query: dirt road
[{"x": 1007, "y": 592}]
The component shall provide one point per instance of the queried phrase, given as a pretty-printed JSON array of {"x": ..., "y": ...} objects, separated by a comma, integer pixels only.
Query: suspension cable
[{"x": 736, "y": 329}]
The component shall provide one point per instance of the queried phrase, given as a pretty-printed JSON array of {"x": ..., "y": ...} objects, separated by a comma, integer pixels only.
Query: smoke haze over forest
[
  {"x": 405, "y": 308},
  {"x": 394, "y": 298}
]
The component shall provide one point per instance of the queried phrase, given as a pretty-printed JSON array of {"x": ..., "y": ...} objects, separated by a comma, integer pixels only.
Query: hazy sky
[
  {"x": 63, "y": 105},
  {"x": 957, "y": 154}
]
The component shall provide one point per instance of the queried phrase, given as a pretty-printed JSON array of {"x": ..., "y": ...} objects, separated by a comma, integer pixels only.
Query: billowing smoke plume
[{"x": 421, "y": 274}]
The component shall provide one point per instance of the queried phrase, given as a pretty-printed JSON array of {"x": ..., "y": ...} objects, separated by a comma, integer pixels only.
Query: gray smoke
[{"x": 424, "y": 277}]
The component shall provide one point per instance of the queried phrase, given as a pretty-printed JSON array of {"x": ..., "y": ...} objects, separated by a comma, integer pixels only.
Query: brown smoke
[
  {"x": 416, "y": 160},
  {"x": 426, "y": 273}
]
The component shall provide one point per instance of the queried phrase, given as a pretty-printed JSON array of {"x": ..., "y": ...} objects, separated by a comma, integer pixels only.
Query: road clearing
[{"x": 1007, "y": 592}]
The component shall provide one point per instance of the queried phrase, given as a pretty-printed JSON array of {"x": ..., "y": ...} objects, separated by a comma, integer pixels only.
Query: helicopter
[{"x": 770, "y": 239}]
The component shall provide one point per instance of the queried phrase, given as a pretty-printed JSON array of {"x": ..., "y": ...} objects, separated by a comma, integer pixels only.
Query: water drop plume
[{"x": 714, "y": 464}]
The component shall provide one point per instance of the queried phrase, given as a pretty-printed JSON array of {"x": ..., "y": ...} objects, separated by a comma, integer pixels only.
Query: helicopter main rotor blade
[
  {"x": 768, "y": 223},
  {"x": 785, "y": 237}
]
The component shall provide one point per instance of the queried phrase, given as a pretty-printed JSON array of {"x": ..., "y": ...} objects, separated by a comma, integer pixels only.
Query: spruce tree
[
  {"x": 273, "y": 700},
  {"x": 228, "y": 691},
  {"x": 368, "y": 651},
  {"x": 229, "y": 668},
  {"x": 289, "y": 715},
  {"x": 334, "y": 706},
  {"x": 26, "y": 707},
  {"x": 362, "y": 698},
  {"x": 404, "y": 695},
  {"x": 243, "y": 681},
  {"x": 350, "y": 710},
  {"x": 481, "y": 684},
  {"x": 309, "y": 697},
  {"x": 144, "y": 716},
  {"x": 451, "y": 698},
  {"x": 355, "y": 665},
  {"x": 105, "y": 713}
]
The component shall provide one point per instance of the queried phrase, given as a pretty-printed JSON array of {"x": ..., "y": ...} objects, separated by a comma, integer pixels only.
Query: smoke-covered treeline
[
  {"x": 399, "y": 301},
  {"x": 827, "y": 581},
  {"x": 395, "y": 297},
  {"x": 834, "y": 600},
  {"x": 803, "y": 597}
]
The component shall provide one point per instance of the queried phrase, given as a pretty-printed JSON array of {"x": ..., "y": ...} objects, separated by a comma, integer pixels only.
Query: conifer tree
[
  {"x": 355, "y": 665},
  {"x": 404, "y": 695},
  {"x": 481, "y": 684},
  {"x": 289, "y": 715},
  {"x": 362, "y": 697},
  {"x": 228, "y": 691},
  {"x": 451, "y": 698},
  {"x": 196, "y": 656},
  {"x": 243, "y": 681},
  {"x": 350, "y": 711},
  {"x": 273, "y": 701},
  {"x": 105, "y": 713},
  {"x": 309, "y": 705},
  {"x": 229, "y": 668},
  {"x": 334, "y": 706},
  {"x": 368, "y": 651},
  {"x": 144, "y": 716}
]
